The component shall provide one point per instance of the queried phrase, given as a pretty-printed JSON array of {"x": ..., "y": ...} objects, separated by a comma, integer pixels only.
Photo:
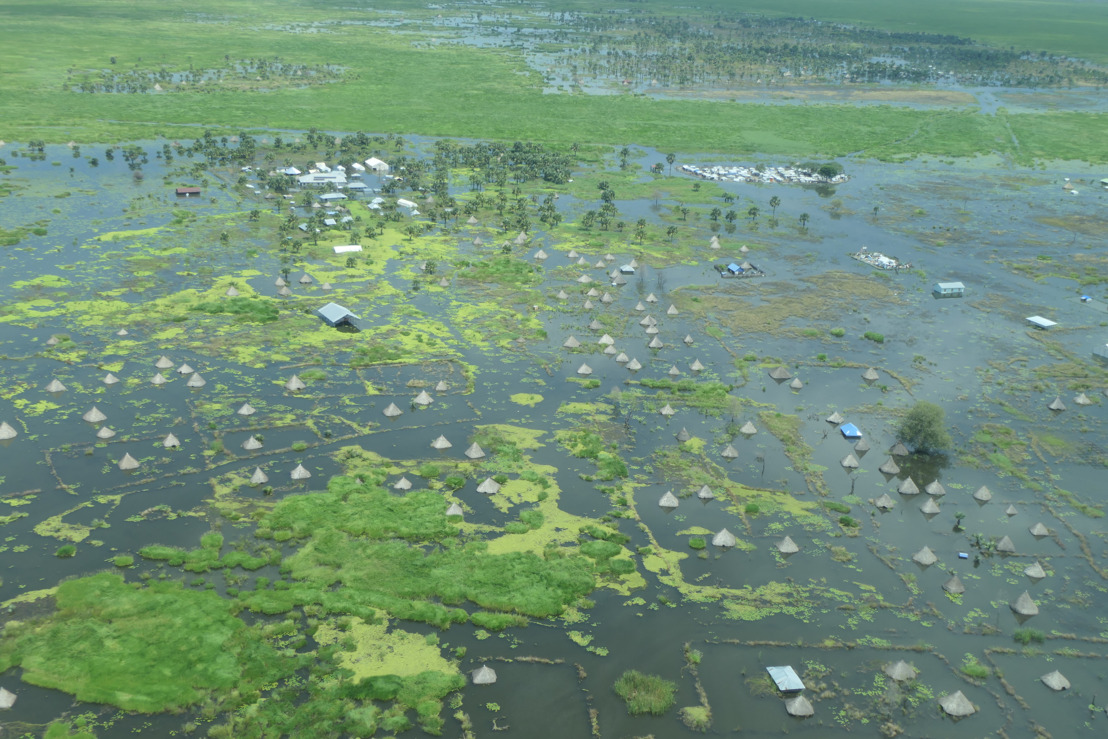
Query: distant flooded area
[{"x": 359, "y": 434}]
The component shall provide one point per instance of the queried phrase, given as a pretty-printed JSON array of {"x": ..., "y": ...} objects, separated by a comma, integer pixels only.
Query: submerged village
[{"x": 385, "y": 435}]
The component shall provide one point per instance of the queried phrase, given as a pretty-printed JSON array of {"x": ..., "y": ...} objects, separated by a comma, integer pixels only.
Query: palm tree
[
  {"x": 753, "y": 212},
  {"x": 803, "y": 221},
  {"x": 670, "y": 159},
  {"x": 774, "y": 202}
]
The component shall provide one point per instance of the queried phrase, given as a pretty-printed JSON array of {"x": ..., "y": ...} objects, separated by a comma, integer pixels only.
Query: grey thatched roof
[
  {"x": 1010, "y": 510},
  {"x": 489, "y": 487},
  {"x": 908, "y": 487},
  {"x": 424, "y": 398},
  {"x": 441, "y": 443},
  {"x": 1039, "y": 529},
  {"x": 1055, "y": 681},
  {"x": 185, "y": 369},
  {"x": 729, "y": 452},
  {"x": 1057, "y": 405},
  {"x": 954, "y": 585},
  {"x": 696, "y": 366},
  {"x": 634, "y": 365},
  {"x": 7, "y": 431},
  {"x": 674, "y": 372},
  {"x": 669, "y": 500},
  {"x": 605, "y": 340},
  {"x": 862, "y": 446},
  {"x": 1082, "y": 399},
  {"x": 584, "y": 369},
  {"x": 157, "y": 379},
  {"x": 688, "y": 340},
  {"x": 170, "y": 442},
  {"x": 640, "y": 307},
  {"x": 475, "y": 451},
  {"x": 671, "y": 310},
  {"x": 562, "y": 295},
  {"x": 796, "y": 384},
  {"x": 787, "y": 546},
  {"x": 94, "y": 415},
  {"x": 1005, "y": 545},
  {"x": 483, "y": 675},
  {"x": 705, "y": 493},
  {"x": 196, "y": 380},
  {"x": 929, "y": 507},
  {"x": 7, "y": 699},
  {"x": 392, "y": 410},
  {"x": 890, "y": 467},
  {"x": 258, "y": 477},
  {"x": 284, "y": 292},
  {"x": 835, "y": 418},
  {"x": 748, "y": 429},
  {"x": 441, "y": 386},
  {"x": 104, "y": 433},
  {"x": 455, "y": 510},
  {"x": 651, "y": 299},
  {"x": 295, "y": 384},
  {"x": 935, "y": 488},
  {"x": 899, "y": 450},
  {"x": 55, "y": 386},
  {"x": 609, "y": 350},
  {"x": 1024, "y": 606},
  {"x": 683, "y": 435},
  {"x": 870, "y": 375},
  {"x": 232, "y": 292},
  {"x": 724, "y": 538},
  {"x": 122, "y": 332},
  {"x": 402, "y": 484},
  {"x": 799, "y": 706},
  {"x": 983, "y": 495},
  {"x": 849, "y": 462},
  {"x": 622, "y": 358},
  {"x": 667, "y": 410},
  {"x": 251, "y": 444},
  {"x": 925, "y": 557},
  {"x": 163, "y": 362},
  {"x": 246, "y": 410},
  {"x": 901, "y": 671},
  {"x": 885, "y": 503},
  {"x": 300, "y": 473},
  {"x": 1035, "y": 572},
  {"x": 957, "y": 705},
  {"x": 128, "y": 462}
]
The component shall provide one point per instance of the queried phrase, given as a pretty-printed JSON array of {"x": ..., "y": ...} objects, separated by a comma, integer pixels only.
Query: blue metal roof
[
  {"x": 786, "y": 678},
  {"x": 850, "y": 431}
]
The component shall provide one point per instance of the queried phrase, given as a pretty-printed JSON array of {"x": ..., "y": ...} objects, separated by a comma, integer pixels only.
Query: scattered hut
[
  {"x": 392, "y": 411},
  {"x": 799, "y": 706},
  {"x": 284, "y": 292},
  {"x": 862, "y": 446},
  {"x": 683, "y": 435},
  {"x": 489, "y": 487},
  {"x": 671, "y": 310},
  {"x": 483, "y": 675},
  {"x": 796, "y": 384},
  {"x": 609, "y": 350},
  {"x": 885, "y": 503},
  {"x": 957, "y": 705},
  {"x": 541, "y": 255},
  {"x": 246, "y": 410},
  {"x": 901, "y": 671},
  {"x": 454, "y": 510},
  {"x": 954, "y": 585},
  {"x": 7, "y": 432},
  {"x": 94, "y": 415},
  {"x": 1034, "y": 572},
  {"x": 622, "y": 358},
  {"x": 571, "y": 343},
  {"x": 1082, "y": 399},
  {"x": 128, "y": 462},
  {"x": 929, "y": 508},
  {"x": 696, "y": 366},
  {"x": 668, "y": 501},
  {"x": 1010, "y": 511},
  {"x": 1039, "y": 530},
  {"x": 674, "y": 372},
  {"x": 640, "y": 307},
  {"x": 849, "y": 462},
  {"x": 163, "y": 362},
  {"x": 7, "y": 699},
  {"x": 780, "y": 373},
  {"x": 185, "y": 369},
  {"x": 300, "y": 473},
  {"x": 55, "y": 386},
  {"x": 252, "y": 444},
  {"x": 562, "y": 295},
  {"x": 982, "y": 495},
  {"x": 724, "y": 539},
  {"x": 655, "y": 343},
  {"x": 651, "y": 299},
  {"x": 122, "y": 332},
  {"x": 196, "y": 381},
  {"x": 1024, "y": 606},
  {"x": 1057, "y": 405},
  {"x": 835, "y": 418},
  {"x": 231, "y": 292},
  {"x": 870, "y": 375},
  {"x": 475, "y": 451},
  {"x": 157, "y": 379},
  {"x": 584, "y": 370},
  {"x": 667, "y": 410},
  {"x": 171, "y": 442},
  {"x": 787, "y": 546},
  {"x": 634, "y": 365},
  {"x": 588, "y": 305},
  {"x": 295, "y": 384},
  {"x": 1055, "y": 681},
  {"x": 605, "y": 340},
  {"x": 688, "y": 340},
  {"x": 899, "y": 450},
  {"x": 935, "y": 488},
  {"x": 729, "y": 452},
  {"x": 424, "y": 398},
  {"x": 441, "y": 443},
  {"x": 402, "y": 484},
  {"x": 1005, "y": 545},
  {"x": 441, "y": 386},
  {"x": 259, "y": 477},
  {"x": 104, "y": 433},
  {"x": 908, "y": 487},
  {"x": 748, "y": 429},
  {"x": 890, "y": 467},
  {"x": 925, "y": 557},
  {"x": 705, "y": 493}
]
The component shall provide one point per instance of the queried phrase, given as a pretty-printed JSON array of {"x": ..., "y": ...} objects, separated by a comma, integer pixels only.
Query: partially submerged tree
[{"x": 923, "y": 428}]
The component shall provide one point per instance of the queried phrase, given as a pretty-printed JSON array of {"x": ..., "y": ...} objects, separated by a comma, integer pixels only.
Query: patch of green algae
[
  {"x": 528, "y": 399},
  {"x": 379, "y": 650}
]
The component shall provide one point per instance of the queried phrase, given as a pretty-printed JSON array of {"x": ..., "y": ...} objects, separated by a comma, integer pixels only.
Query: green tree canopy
[{"x": 923, "y": 428}]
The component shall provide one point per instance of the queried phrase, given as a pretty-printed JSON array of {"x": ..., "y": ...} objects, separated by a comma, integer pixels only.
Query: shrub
[
  {"x": 874, "y": 337},
  {"x": 454, "y": 481},
  {"x": 922, "y": 428},
  {"x": 66, "y": 551},
  {"x": 838, "y": 332},
  {"x": 837, "y": 507},
  {"x": 847, "y": 522},
  {"x": 1026, "y": 636},
  {"x": 972, "y": 668},
  {"x": 645, "y": 693},
  {"x": 299, "y": 446},
  {"x": 751, "y": 508},
  {"x": 123, "y": 560},
  {"x": 697, "y": 542},
  {"x": 430, "y": 471}
]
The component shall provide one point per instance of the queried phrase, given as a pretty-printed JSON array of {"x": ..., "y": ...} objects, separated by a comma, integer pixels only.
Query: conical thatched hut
[
  {"x": 688, "y": 340},
  {"x": 780, "y": 373},
  {"x": 849, "y": 462},
  {"x": 300, "y": 473},
  {"x": 787, "y": 546},
  {"x": 163, "y": 362},
  {"x": 325, "y": 286},
  {"x": 1039, "y": 529},
  {"x": 885, "y": 503},
  {"x": 925, "y": 557},
  {"x": 295, "y": 384},
  {"x": 196, "y": 380},
  {"x": 870, "y": 375},
  {"x": 889, "y": 467},
  {"x": 609, "y": 350},
  {"x": 246, "y": 410},
  {"x": 475, "y": 451},
  {"x": 489, "y": 487},
  {"x": 957, "y": 705},
  {"x": 104, "y": 433},
  {"x": 674, "y": 372},
  {"x": 651, "y": 299},
  {"x": 1005, "y": 545},
  {"x": 284, "y": 292},
  {"x": 1034, "y": 572},
  {"x": 483, "y": 675},
  {"x": 954, "y": 585},
  {"x": 573, "y": 254},
  {"x": 655, "y": 343},
  {"x": 634, "y": 366},
  {"x": 171, "y": 442},
  {"x": 157, "y": 379},
  {"x": 94, "y": 415},
  {"x": 1082, "y": 399},
  {"x": 128, "y": 462},
  {"x": 259, "y": 477},
  {"x": 899, "y": 450},
  {"x": 571, "y": 343},
  {"x": 935, "y": 488},
  {"x": 796, "y": 384},
  {"x": 983, "y": 495},
  {"x": 929, "y": 508},
  {"x": 455, "y": 510},
  {"x": 541, "y": 255},
  {"x": 446, "y": 283},
  {"x": 584, "y": 370},
  {"x": 683, "y": 435},
  {"x": 729, "y": 452},
  {"x": 424, "y": 398},
  {"x": 441, "y": 386},
  {"x": 472, "y": 220},
  {"x": 901, "y": 671},
  {"x": 1057, "y": 405},
  {"x": 122, "y": 332},
  {"x": 647, "y": 321},
  {"x": 696, "y": 366},
  {"x": 799, "y": 706},
  {"x": 252, "y": 444},
  {"x": 55, "y": 386},
  {"x": 1024, "y": 606},
  {"x": 640, "y": 307},
  {"x": 1055, "y": 681},
  {"x": 392, "y": 411},
  {"x": 862, "y": 446},
  {"x": 441, "y": 443},
  {"x": 835, "y": 418},
  {"x": 52, "y": 341},
  {"x": 667, "y": 410},
  {"x": 185, "y": 369},
  {"x": 724, "y": 539},
  {"x": 402, "y": 484},
  {"x": 7, "y": 432},
  {"x": 232, "y": 292},
  {"x": 705, "y": 493},
  {"x": 671, "y": 310},
  {"x": 622, "y": 358},
  {"x": 279, "y": 282},
  {"x": 7, "y": 699},
  {"x": 908, "y": 487},
  {"x": 562, "y": 295},
  {"x": 605, "y": 340},
  {"x": 748, "y": 429},
  {"x": 669, "y": 500},
  {"x": 1010, "y": 511}
]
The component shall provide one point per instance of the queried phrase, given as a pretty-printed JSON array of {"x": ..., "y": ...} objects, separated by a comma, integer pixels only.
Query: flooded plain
[{"x": 114, "y": 251}]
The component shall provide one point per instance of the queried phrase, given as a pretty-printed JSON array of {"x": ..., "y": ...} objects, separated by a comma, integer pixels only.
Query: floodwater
[{"x": 854, "y": 599}]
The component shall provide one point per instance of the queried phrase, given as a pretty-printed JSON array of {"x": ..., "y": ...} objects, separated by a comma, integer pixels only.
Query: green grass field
[{"x": 395, "y": 81}]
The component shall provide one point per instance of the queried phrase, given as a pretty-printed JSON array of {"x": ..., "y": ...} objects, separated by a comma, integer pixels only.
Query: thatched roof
[
  {"x": 748, "y": 429},
  {"x": 52, "y": 341},
  {"x": 55, "y": 386},
  {"x": 455, "y": 510},
  {"x": 901, "y": 671},
  {"x": 441, "y": 386},
  {"x": 667, "y": 410},
  {"x": 705, "y": 493},
  {"x": 683, "y": 435},
  {"x": 246, "y": 410},
  {"x": 983, "y": 495},
  {"x": 799, "y": 706},
  {"x": 171, "y": 442},
  {"x": 1024, "y": 606},
  {"x": 605, "y": 340},
  {"x": 157, "y": 379},
  {"x": 441, "y": 443},
  {"x": 593, "y": 293},
  {"x": 696, "y": 366},
  {"x": 780, "y": 373},
  {"x": 392, "y": 410},
  {"x": 885, "y": 503},
  {"x": 651, "y": 299},
  {"x": 862, "y": 446},
  {"x": 1055, "y": 681},
  {"x": 957, "y": 705},
  {"x": 584, "y": 369},
  {"x": 483, "y": 675},
  {"x": 571, "y": 343},
  {"x": 607, "y": 298},
  {"x": 7, "y": 431},
  {"x": 655, "y": 343},
  {"x": 724, "y": 538},
  {"x": 1039, "y": 529},
  {"x": 796, "y": 384},
  {"x": 231, "y": 292},
  {"x": 640, "y": 307},
  {"x": 424, "y": 398},
  {"x": 128, "y": 462},
  {"x": 908, "y": 487},
  {"x": 196, "y": 381},
  {"x": 279, "y": 282},
  {"x": 1035, "y": 571},
  {"x": 251, "y": 444},
  {"x": 729, "y": 452},
  {"x": 688, "y": 340},
  {"x": 402, "y": 484},
  {"x": 1082, "y": 399},
  {"x": 185, "y": 369},
  {"x": 634, "y": 365},
  {"x": 588, "y": 305},
  {"x": 835, "y": 418},
  {"x": 300, "y": 473},
  {"x": 647, "y": 321},
  {"x": 472, "y": 220},
  {"x": 890, "y": 467},
  {"x": 870, "y": 375},
  {"x": 609, "y": 350},
  {"x": 849, "y": 462},
  {"x": 284, "y": 292},
  {"x": 94, "y": 415},
  {"x": 787, "y": 546},
  {"x": 562, "y": 295},
  {"x": 489, "y": 487},
  {"x": 541, "y": 255},
  {"x": 1005, "y": 545},
  {"x": 475, "y": 451},
  {"x": 295, "y": 384},
  {"x": 929, "y": 507},
  {"x": 674, "y": 372},
  {"x": 671, "y": 310},
  {"x": 446, "y": 283},
  {"x": 163, "y": 362},
  {"x": 259, "y": 477},
  {"x": 104, "y": 433},
  {"x": 622, "y": 357},
  {"x": 1010, "y": 510},
  {"x": 122, "y": 332},
  {"x": 325, "y": 286},
  {"x": 651, "y": 330},
  {"x": 925, "y": 557},
  {"x": 935, "y": 488},
  {"x": 7, "y": 699},
  {"x": 899, "y": 450},
  {"x": 1057, "y": 405},
  {"x": 954, "y": 585},
  {"x": 669, "y": 500}
]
